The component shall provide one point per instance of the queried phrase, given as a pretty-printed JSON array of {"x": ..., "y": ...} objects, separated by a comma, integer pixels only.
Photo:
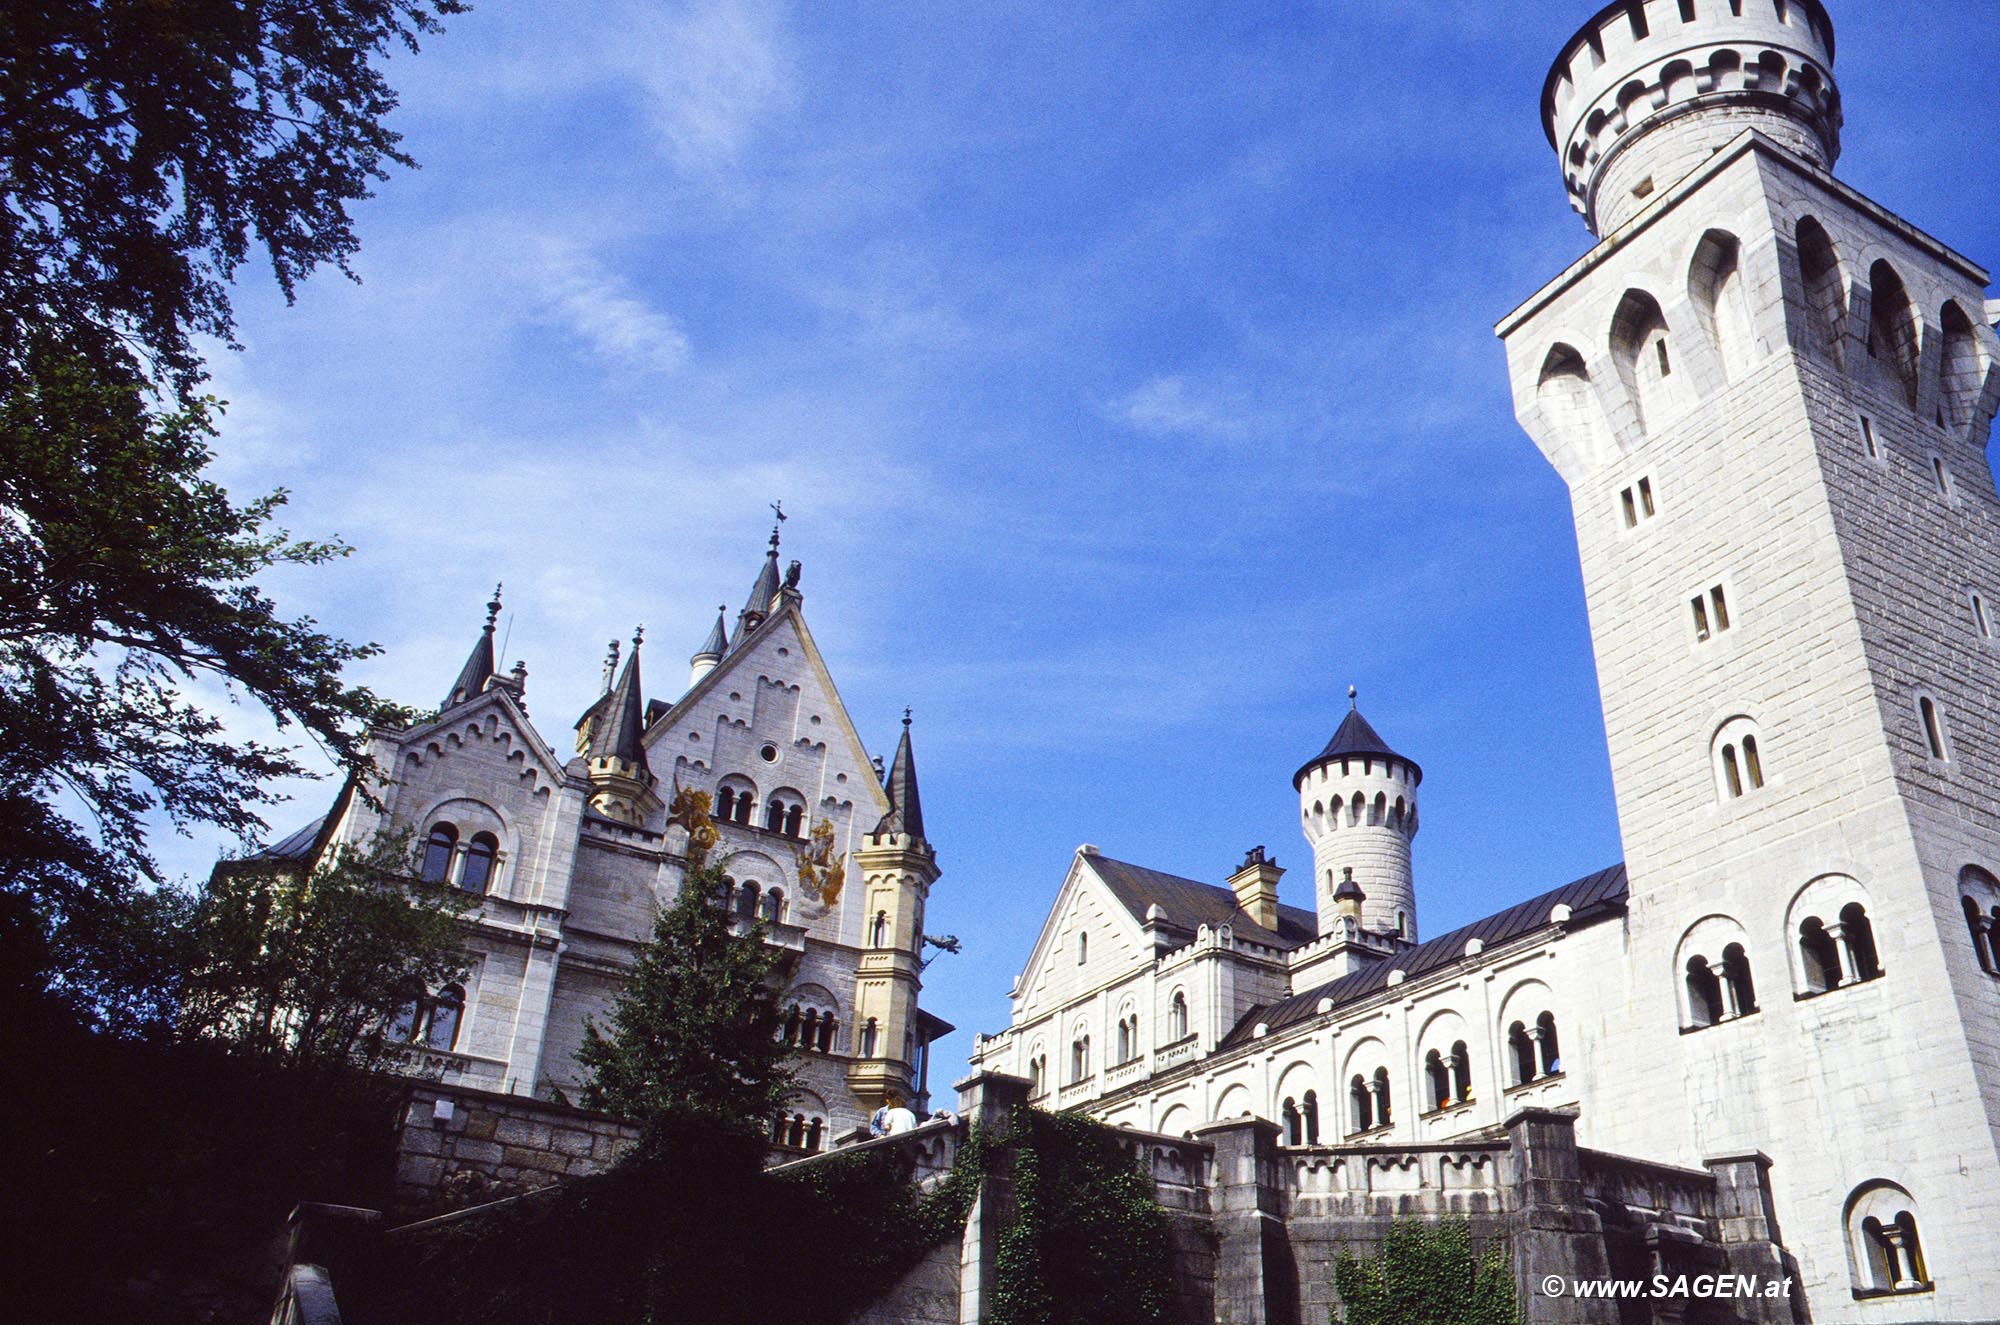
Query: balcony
[
  {"x": 1180, "y": 1051},
  {"x": 1119, "y": 1074}
]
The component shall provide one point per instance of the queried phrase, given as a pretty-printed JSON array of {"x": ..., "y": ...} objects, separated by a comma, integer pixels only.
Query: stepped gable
[
  {"x": 1589, "y": 898},
  {"x": 1189, "y": 904}
]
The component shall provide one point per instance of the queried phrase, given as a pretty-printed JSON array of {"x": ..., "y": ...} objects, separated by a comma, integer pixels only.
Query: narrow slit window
[
  {"x": 1868, "y": 445},
  {"x": 1631, "y": 509},
  {"x": 1753, "y": 762},
  {"x": 1979, "y": 617},
  {"x": 1646, "y": 496},
  {"x": 1666, "y": 363},
  {"x": 1942, "y": 475},
  {"x": 1721, "y": 609},
  {"x": 1927, "y": 709},
  {"x": 1730, "y": 772},
  {"x": 1701, "y": 630}
]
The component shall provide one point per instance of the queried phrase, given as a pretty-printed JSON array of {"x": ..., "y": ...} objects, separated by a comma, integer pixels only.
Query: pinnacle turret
[
  {"x": 763, "y": 593},
  {"x": 710, "y": 653},
  {"x": 906, "y": 810},
  {"x": 478, "y": 669},
  {"x": 617, "y": 734}
]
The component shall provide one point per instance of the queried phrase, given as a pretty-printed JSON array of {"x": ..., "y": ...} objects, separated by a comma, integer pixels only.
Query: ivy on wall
[
  {"x": 1427, "y": 1274},
  {"x": 1088, "y": 1243}
]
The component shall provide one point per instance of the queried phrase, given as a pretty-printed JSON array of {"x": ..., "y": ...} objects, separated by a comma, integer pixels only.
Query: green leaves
[
  {"x": 146, "y": 148},
  {"x": 1427, "y": 1275},
  {"x": 697, "y": 1026}
]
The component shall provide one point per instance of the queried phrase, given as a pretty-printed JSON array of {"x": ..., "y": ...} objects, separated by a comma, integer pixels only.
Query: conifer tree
[{"x": 698, "y": 1025}]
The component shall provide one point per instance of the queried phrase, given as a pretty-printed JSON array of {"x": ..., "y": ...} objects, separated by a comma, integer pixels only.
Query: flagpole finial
[{"x": 1353, "y": 701}]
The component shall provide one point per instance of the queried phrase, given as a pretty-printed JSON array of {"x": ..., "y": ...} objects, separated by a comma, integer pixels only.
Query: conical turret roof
[
  {"x": 717, "y": 642},
  {"x": 1355, "y": 738},
  {"x": 758, "y": 605},
  {"x": 906, "y": 808},
  {"x": 617, "y": 733},
  {"x": 478, "y": 669}
]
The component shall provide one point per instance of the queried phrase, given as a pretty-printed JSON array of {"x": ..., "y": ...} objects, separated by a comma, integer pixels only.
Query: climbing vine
[
  {"x": 1088, "y": 1243},
  {"x": 1427, "y": 1274}
]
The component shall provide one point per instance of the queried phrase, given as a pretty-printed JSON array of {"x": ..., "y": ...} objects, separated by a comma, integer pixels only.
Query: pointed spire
[
  {"x": 906, "y": 809},
  {"x": 717, "y": 642},
  {"x": 758, "y": 605},
  {"x": 478, "y": 669},
  {"x": 617, "y": 735}
]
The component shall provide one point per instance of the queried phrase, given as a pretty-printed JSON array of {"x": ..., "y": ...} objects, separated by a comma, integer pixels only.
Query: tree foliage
[
  {"x": 697, "y": 1027},
  {"x": 1427, "y": 1274},
  {"x": 145, "y": 147}
]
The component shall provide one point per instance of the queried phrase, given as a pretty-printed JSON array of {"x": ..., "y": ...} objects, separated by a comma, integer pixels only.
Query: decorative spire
[
  {"x": 478, "y": 669},
  {"x": 617, "y": 735},
  {"x": 610, "y": 664},
  {"x": 765, "y": 591},
  {"x": 717, "y": 642},
  {"x": 1353, "y": 700},
  {"x": 906, "y": 809}
]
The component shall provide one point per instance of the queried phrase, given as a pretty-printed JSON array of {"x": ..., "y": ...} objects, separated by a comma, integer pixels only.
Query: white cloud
[
  {"x": 711, "y": 71},
  {"x": 1168, "y": 406},
  {"x": 603, "y": 312}
]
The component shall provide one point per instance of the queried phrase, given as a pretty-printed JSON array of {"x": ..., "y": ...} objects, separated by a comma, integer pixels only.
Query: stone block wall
[{"x": 459, "y": 1147}]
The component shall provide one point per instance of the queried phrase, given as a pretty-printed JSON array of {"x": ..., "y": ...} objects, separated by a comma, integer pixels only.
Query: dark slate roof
[
  {"x": 1355, "y": 739},
  {"x": 1189, "y": 905},
  {"x": 296, "y": 846},
  {"x": 1589, "y": 898},
  {"x": 906, "y": 810},
  {"x": 478, "y": 669},
  {"x": 758, "y": 605},
  {"x": 717, "y": 642},
  {"x": 618, "y": 734}
]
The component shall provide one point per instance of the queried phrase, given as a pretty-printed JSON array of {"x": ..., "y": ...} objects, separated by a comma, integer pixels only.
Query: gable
[
  {"x": 1084, "y": 906},
  {"x": 493, "y": 731}
]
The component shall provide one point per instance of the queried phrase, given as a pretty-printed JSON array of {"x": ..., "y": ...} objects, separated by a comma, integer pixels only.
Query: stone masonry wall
[{"x": 459, "y": 1147}]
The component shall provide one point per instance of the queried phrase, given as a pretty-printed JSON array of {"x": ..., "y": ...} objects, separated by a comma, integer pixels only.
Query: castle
[
  {"x": 1770, "y": 398},
  {"x": 569, "y": 858}
]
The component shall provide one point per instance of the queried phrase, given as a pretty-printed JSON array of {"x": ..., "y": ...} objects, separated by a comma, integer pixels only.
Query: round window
[{"x": 770, "y": 754}]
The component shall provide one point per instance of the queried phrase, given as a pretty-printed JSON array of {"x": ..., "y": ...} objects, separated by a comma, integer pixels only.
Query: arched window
[
  {"x": 793, "y": 1022},
  {"x": 1521, "y": 1049},
  {"x": 1439, "y": 1077},
  {"x": 813, "y": 1131},
  {"x": 1124, "y": 1040},
  {"x": 1361, "y": 1106},
  {"x": 438, "y": 848},
  {"x": 1739, "y": 993},
  {"x": 1961, "y": 367},
  {"x": 794, "y": 817},
  {"x": 1294, "y": 1125},
  {"x": 827, "y": 1024},
  {"x": 402, "y": 1028},
  {"x": 774, "y": 816},
  {"x": 774, "y": 906},
  {"x": 878, "y": 935},
  {"x": 725, "y": 805},
  {"x": 1310, "y": 1110},
  {"x": 1379, "y": 1087},
  {"x": 1885, "y": 1253},
  {"x": 1461, "y": 1072},
  {"x": 1825, "y": 291},
  {"x": 1177, "y": 1017},
  {"x": 1079, "y": 1058},
  {"x": 1082, "y": 948},
  {"x": 1546, "y": 1042},
  {"x": 1739, "y": 759},
  {"x": 746, "y": 898},
  {"x": 1715, "y": 283},
  {"x": 868, "y": 1032},
  {"x": 1892, "y": 329},
  {"x": 1034, "y": 1077},
  {"x": 442, "y": 1031},
  {"x": 477, "y": 872},
  {"x": 1819, "y": 954},
  {"x": 1568, "y": 403},
  {"x": 1980, "y": 896},
  {"x": 1859, "y": 936},
  {"x": 1640, "y": 351},
  {"x": 1704, "y": 993}
]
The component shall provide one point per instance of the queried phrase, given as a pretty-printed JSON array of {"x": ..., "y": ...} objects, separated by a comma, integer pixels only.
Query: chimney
[{"x": 1255, "y": 884}]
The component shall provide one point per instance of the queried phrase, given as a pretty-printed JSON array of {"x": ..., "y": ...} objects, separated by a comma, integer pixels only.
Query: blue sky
[{"x": 1127, "y": 370}]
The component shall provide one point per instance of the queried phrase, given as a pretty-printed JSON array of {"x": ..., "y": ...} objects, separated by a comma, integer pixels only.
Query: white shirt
[{"x": 900, "y": 1119}]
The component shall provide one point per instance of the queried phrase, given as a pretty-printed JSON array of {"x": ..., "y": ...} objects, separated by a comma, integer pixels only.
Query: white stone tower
[
  {"x": 1358, "y": 802},
  {"x": 898, "y": 867},
  {"x": 1770, "y": 398}
]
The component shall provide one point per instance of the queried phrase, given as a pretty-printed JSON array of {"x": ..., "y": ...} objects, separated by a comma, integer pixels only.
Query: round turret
[
  {"x": 1358, "y": 803},
  {"x": 1650, "y": 88}
]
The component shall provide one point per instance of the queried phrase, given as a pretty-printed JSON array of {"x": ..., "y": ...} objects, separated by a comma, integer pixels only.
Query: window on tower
[
  {"x": 1932, "y": 721},
  {"x": 1739, "y": 759},
  {"x": 1711, "y": 613},
  {"x": 1869, "y": 446}
]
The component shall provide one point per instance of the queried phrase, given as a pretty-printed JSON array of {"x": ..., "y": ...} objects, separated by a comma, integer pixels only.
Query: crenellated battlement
[{"x": 1646, "y": 90}]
